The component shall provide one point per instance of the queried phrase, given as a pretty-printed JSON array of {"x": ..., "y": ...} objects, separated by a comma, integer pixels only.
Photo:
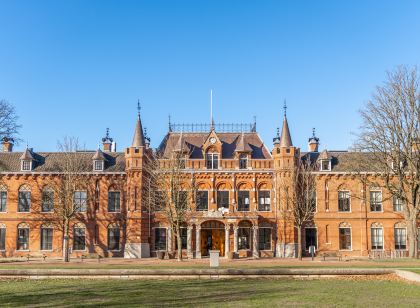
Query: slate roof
[
  {"x": 194, "y": 142},
  {"x": 49, "y": 161}
]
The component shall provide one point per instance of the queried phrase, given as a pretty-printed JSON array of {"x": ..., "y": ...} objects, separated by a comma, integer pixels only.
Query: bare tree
[
  {"x": 170, "y": 191},
  {"x": 391, "y": 132},
  {"x": 9, "y": 126},
  {"x": 299, "y": 191},
  {"x": 71, "y": 177}
]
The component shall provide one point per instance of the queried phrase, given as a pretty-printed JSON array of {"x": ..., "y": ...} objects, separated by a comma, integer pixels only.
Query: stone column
[
  {"x": 169, "y": 247},
  {"x": 255, "y": 253},
  {"x": 198, "y": 242},
  {"x": 227, "y": 241},
  {"x": 235, "y": 239},
  {"x": 189, "y": 242}
]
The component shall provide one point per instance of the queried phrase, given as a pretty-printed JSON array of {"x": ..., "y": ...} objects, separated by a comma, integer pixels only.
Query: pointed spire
[
  {"x": 138, "y": 139},
  {"x": 242, "y": 146},
  {"x": 211, "y": 110},
  {"x": 285, "y": 139}
]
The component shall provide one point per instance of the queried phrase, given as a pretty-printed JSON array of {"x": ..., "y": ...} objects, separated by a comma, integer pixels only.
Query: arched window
[
  {"x": 47, "y": 232},
  {"x": 377, "y": 236},
  {"x": 24, "y": 198},
  {"x": 2, "y": 237},
  {"x": 3, "y": 198},
  {"x": 47, "y": 200},
  {"x": 114, "y": 237},
  {"x": 23, "y": 236},
  {"x": 79, "y": 237},
  {"x": 244, "y": 235}
]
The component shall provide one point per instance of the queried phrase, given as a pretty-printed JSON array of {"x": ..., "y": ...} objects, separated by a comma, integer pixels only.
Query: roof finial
[
  {"x": 313, "y": 132},
  {"x": 211, "y": 110},
  {"x": 285, "y": 107},
  {"x": 107, "y": 133},
  {"x": 169, "y": 123},
  {"x": 138, "y": 107}
]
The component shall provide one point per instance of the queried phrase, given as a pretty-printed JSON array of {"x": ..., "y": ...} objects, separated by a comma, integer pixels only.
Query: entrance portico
[{"x": 212, "y": 236}]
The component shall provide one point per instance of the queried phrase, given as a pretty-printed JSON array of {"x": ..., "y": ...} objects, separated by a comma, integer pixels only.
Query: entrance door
[
  {"x": 310, "y": 238},
  {"x": 212, "y": 237}
]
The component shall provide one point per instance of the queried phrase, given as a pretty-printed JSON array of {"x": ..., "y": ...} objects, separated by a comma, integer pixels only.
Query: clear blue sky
[{"x": 76, "y": 67}]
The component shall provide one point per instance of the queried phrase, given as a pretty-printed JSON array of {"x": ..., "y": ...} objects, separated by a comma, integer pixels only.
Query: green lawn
[{"x": 231, "y": 293}]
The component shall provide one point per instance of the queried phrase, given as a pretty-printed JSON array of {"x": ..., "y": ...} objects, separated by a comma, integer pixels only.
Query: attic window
[
  {"x": 212, "y": 161},
  {"x": 325, "y": 165},
  {"x": 98, "y": 165},
  {"x": 26, "y": 165},
  {"x": 243, "y": 161}
]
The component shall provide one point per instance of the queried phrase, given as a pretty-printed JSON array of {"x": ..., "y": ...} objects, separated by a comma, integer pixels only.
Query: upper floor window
[
  {"x": 24, "y": 202},
  {"x": 26, "y": 165},
  {"x": 325, "y": 165},
  {"x": 98, "y": 165},
  {"x": 222, "y": 198},
  {"x": 79, "y": 199},
  {"x": 47, "y": 200},
  {"x": 114, "y": 199},
  {"x": 376, "y": 201},
  {"x": 397, "y": 204},
  {"x": 243, "y": 161},
  {"x": 202, "y": 200},
  {"x": 243, "y": 200},
  {"x": 212, "y": 161},
  {"x": 344, "y": 201},
  {"x": 3, "y": 198},
  {"x": 264, "y": 200}
]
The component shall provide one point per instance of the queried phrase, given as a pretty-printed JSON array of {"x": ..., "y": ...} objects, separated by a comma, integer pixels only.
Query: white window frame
[
  {"x": 321, "y": 165},
  {"x": 370, "y": 200},
  {"x": 406, "y": 239},
  {"x": 52, "y": 239},
  {"x": 101, "y": 165},
  {"x": 258, "y": 196},
  {"x": 382, "y": 240},
  {"x": 338, "y": 200},
  {"x": 26, "y": 165},
  {"x": 212, "y": 155}
]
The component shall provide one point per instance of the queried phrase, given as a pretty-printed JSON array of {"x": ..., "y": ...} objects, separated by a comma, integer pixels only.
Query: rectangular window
[
  {"x": 345, "y": 238},
  {"x": 325, "y": 165},
  {"x": 80, "y": 201},
  {"x": 264, "y": 200},
  {"x": 99, "y": 165},
  {"x": 243, "y": 161},
  {"x": 212, "y": 161},
  {"x": 2, "y": 238},
  {"x": 160, "y": 239},
  {"x": 377, "y": 236},
  {"x": 26, "y": 165},
  {"x": 46, "y": 238},
  {"x": 223, "y": 199},
  {"x": 24, "y": 201},
  {"x": 310, "y": 238},
  {"x": 243, "y": 200},
  {"x": 183, "y": 239},
  {"x": 244, "y": 238},
  {"x": 114, "y": 201},
  {"x": 264, "y": 236},
  {"x": 202, "y": 199},
  {"x": 114, "y": 238},
  {"x": 344, "y": 201},
  {"x": 400, "y": 237},
  {"x": 47, "y": 201},
  {"x": 79, "y": 239},
  {"x": 3, "y": 201},
  {"x": 376, "y": 201},
  {"x": 397, "y": 204},
  {"x": 23, "y": 239}
]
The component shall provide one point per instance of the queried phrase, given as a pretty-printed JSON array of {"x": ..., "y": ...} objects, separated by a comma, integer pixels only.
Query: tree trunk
[
  {"x": 66, "y": 252},
  {"x": 179, "y": 243},
  {"x": 412, "y": 237},
  {"x": 299, "y": 242}
]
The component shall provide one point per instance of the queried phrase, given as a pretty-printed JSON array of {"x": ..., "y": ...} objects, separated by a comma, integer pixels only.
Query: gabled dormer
[
  {"x": 324, "y": 160},
  {"x": 243, "y": 152},
  {"x": 99, "y": 160},
  {"x": 212, "y": 151},
  {"x": 27, "y": 160}
]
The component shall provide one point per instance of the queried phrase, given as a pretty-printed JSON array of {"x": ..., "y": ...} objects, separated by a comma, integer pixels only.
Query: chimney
[
  {"x": 7, "y": 144},
  {"x": 107, "y": 142},
  {"x": 313, "y": 142}
]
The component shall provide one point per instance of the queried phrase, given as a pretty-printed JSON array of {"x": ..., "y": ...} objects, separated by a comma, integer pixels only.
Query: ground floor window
[
  {"x": 2, "y": 238},
  {"x": 113, "y": 238},
  {"x": 345, "y": 238},
  {"x": 264, "y": 236},
  {"x": 160, "y": 239},
  {"x": 23, "y": 239},
  {"x": 79, "y": 238},
  {"x": 310, "y": 238},
  {"x": 46, "y": 238},
  {"x": 183, "y": 235},
  {"x": 400, "y": 237},
  {"x": 244, "y": 238},
  {"x": 377, "y": 236}
]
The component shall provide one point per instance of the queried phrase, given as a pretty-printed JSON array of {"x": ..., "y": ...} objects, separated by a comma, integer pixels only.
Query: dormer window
[
  {"x": 26, "y": 165},
  {"x": 212, "y": 161},
  {"x": 325, "y": 165},
  {"x": 98, "y": 165},
  {"x": 243, "y": 161}
]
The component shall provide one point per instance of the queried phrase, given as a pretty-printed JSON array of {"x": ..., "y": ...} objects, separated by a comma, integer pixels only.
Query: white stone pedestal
[{"x": 214, "y": 258}]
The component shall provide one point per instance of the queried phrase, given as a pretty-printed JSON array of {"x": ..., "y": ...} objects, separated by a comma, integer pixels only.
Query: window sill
[{"x": 47, "y": 250}]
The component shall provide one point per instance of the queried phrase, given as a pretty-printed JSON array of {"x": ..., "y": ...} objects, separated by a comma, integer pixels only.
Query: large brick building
[{"x": 237, "y": 206}]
